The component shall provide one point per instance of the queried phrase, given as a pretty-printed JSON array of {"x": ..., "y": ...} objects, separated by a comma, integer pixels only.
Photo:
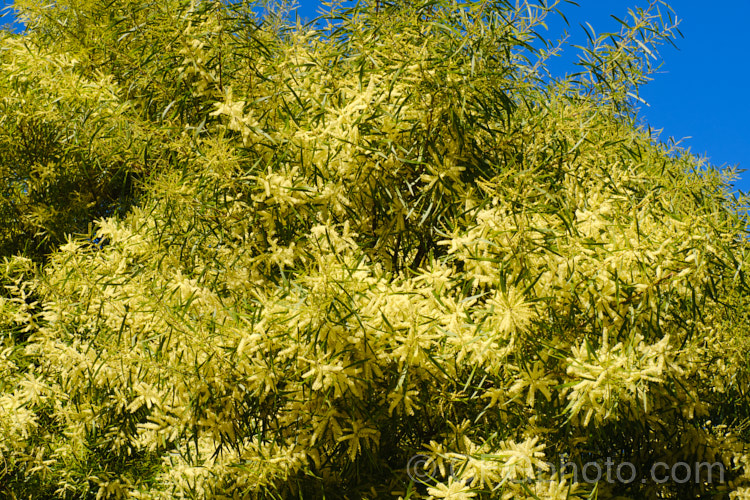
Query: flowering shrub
[{"x": 384, "y": 236}]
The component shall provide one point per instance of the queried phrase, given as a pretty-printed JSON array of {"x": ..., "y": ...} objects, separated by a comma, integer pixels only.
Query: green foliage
[{"x": 318, "y": 252}]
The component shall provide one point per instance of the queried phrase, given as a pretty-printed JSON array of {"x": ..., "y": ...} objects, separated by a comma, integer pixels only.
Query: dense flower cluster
[{"x": 353, "y": 243}]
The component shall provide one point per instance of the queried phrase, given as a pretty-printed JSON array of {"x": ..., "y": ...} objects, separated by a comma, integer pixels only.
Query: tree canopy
[{"x": 384, "y": 254}]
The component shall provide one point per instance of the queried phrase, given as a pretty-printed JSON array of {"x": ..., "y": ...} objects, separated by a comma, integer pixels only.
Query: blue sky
[{"x": 701, "y": 94}]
